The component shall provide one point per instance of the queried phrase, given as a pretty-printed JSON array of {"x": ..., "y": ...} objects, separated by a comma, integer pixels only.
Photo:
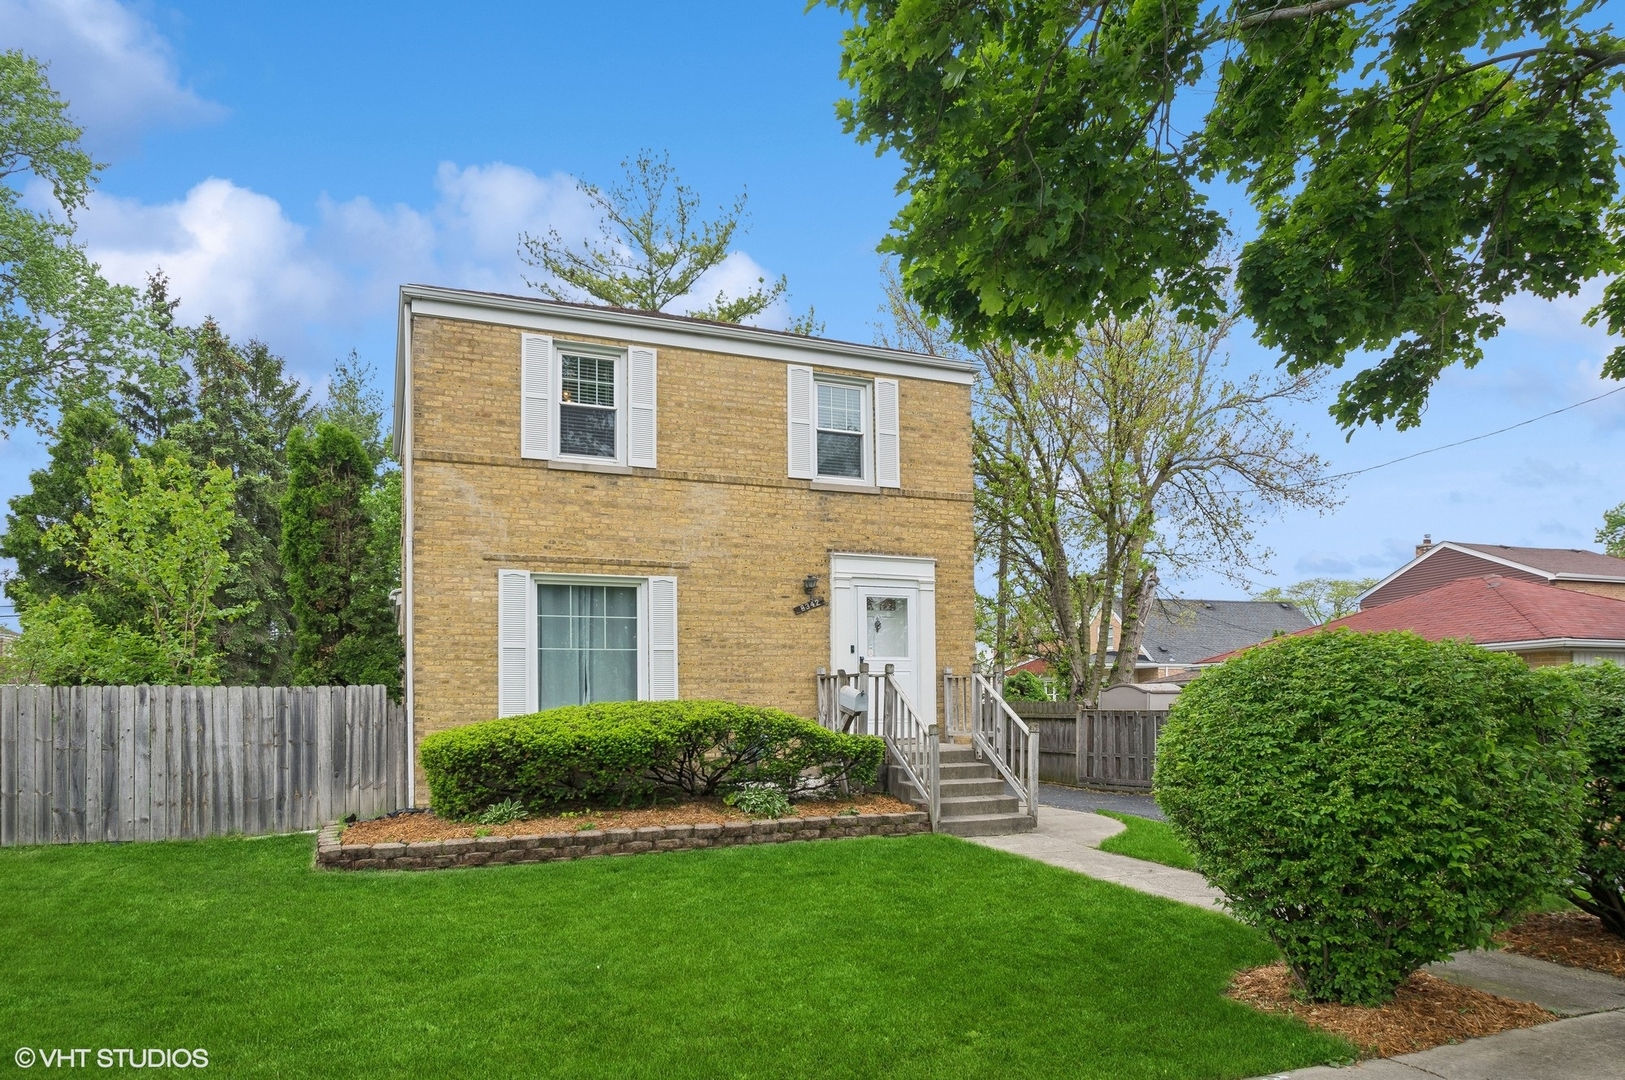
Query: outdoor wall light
[{"x": 809, "y": 584}]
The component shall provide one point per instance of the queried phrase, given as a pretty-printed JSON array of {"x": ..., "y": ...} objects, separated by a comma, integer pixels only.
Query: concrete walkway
[
  {"x": 1579, "y": 1048},
  {"x": 1071, "y": 839}
]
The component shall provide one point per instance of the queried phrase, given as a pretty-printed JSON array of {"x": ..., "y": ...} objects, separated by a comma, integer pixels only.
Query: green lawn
[
  {"x": 924, "y": 956},
  {"x": 1146, "y": 839}
]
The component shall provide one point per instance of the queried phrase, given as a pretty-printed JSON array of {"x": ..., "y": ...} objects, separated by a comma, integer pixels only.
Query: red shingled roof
[{"x": 1491, "y": 610}]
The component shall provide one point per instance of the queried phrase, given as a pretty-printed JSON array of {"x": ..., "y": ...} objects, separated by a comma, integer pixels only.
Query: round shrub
[
  {"x": 1373, "y": 802},
  {"x": 623, "y": 749},
  {"x": 1024, "y": 686},
  {"x": 1601, "y": 875}
]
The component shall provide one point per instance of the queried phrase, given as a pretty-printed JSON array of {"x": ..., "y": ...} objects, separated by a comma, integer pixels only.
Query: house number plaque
[{"x": 815, "y": 602}]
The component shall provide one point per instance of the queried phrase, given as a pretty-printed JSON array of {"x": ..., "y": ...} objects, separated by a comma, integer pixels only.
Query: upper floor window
[
  {"x": 587, "y": 421},
  {"x": 841, "y": 413}
]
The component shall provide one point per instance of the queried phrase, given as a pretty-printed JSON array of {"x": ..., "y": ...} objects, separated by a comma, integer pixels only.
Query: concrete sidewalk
[
  {"x": 1579, "y": 1048},
  {"x": 1071, "y": 839}
]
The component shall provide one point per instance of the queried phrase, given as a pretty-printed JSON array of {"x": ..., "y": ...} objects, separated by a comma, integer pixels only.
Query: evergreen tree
[
  {"x": 352, "y": 403},
  {"x": 344, "y": 623},
  {"x": 246, "y": 407}
]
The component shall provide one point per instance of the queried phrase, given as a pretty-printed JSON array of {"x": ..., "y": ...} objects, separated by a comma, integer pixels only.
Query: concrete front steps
[{"x": 975, "y": 799}]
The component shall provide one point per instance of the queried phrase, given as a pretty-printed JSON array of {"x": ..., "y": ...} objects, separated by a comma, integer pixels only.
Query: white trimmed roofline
[
  {"x": 654, "y": 328},
  {"x": 1475, "y": 553},
  {"x": 1609, "y": 644}
]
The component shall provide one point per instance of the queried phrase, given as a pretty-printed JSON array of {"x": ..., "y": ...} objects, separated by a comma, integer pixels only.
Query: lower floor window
[{"x": 589, "y": 643}]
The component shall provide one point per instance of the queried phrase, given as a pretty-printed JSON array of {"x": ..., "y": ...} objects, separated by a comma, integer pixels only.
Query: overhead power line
[{"x": 1475, "y": 438}]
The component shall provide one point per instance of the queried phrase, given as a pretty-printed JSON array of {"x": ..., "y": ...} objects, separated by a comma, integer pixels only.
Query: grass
[
  {"x": 917, "y": 957},
  {"x": 1153, "y": 841}
]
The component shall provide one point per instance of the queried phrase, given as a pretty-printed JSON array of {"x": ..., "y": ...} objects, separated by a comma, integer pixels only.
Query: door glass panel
[
  {"x": 589, "y": 644},
  {"x": 887, "y": 625}
]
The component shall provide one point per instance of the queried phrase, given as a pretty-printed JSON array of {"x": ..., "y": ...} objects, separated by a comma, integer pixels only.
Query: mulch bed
[
  {"x": 412, "y": 828},
  {"x": 1567, "y": 937},
  {"x": 1426, "y": 1011}
]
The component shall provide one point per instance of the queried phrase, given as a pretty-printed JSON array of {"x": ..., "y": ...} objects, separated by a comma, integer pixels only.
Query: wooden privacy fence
[
  {"x": 87, "y": 763},
  {"x": 1105, "y": 748}
]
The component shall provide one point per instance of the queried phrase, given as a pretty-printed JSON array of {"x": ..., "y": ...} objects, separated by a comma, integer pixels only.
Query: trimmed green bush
[
  {"x": 624, "y": 749},
  {"x": 1600, "y": 879},
  {"x": 1024, "y": 686},
  {"x": 1373, "y": 802}
]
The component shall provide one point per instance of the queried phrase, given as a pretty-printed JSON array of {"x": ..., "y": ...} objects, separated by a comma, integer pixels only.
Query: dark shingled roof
[{"x": 1186, "y": 631}]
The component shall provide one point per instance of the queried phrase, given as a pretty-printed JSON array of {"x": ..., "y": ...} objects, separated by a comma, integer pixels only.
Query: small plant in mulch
[
  {"x": 1425, "y": 1011},
  {"x": 764, "y": 801},
  {"x": 502, "y": 813}
]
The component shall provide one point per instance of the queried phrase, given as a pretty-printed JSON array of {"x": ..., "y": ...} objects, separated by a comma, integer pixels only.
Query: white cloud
[
  {"x": 228, "y": 251},
  {"x": 116, "y": 71},
  {"x": 236, "y": 254},
  {"x": 1322, "y": 563}
]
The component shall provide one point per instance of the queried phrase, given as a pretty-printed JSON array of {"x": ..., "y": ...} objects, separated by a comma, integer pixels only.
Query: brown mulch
[
  {"x": 1426, "y": 1011},
  {"x": 410, "y": 828},
  {"x": 1567, "y": 937}
]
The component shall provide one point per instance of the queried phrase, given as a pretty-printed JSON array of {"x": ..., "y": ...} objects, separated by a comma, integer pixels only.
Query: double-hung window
[
  {"x": 842, "y": 410},
  {"x": 843, "y": 429},
  {"x": 588, "y": 419},
  {"x": 588, "y": 638}
]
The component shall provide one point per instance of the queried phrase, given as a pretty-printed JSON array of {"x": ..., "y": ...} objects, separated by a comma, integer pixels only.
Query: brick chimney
[{"x": 1425, "y": 546}]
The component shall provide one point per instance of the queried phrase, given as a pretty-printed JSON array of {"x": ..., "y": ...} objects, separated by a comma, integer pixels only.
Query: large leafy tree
[
  {"x": 1412, "y": 164},
  {"x": 155, "y": 536},
  {"x": 1322, "y": 599},
  {"x": 1130, "y": 451},
  {"x": 62, "y": 326},
  {"x": 654, "y": 245},
  {"x": 337, "y": 577}
]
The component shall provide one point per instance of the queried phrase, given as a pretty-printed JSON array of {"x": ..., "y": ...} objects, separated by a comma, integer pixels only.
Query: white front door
[{"x": 888, "y": 633}]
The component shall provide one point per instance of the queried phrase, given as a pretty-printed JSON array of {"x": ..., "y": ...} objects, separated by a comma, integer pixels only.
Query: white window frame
[
  {"x": 598, "y": 352},
  {"x": 866, "y": 411},
  {"x": 533, "y": 667}
]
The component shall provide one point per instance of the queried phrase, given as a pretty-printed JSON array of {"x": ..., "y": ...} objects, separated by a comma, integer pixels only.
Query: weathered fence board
[
  {"x": 99, "y": 763},
  {"x": 1093, "y": 748}
]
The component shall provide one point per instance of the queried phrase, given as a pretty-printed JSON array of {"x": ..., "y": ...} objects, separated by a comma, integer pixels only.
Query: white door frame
[{"x": 850, "y": 571}]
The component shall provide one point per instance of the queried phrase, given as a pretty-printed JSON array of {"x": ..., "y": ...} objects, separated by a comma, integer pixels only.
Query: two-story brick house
[{"x": 604, "y": 504}]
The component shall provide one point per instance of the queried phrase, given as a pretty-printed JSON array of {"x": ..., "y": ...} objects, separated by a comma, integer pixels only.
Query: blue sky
[{"x": 290, "y": 165}]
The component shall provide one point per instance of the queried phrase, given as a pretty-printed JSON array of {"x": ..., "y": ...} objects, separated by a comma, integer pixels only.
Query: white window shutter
[
  {"x": 536, "y": 396},
  {"x": 513, "y": 643},
  {"x": 888, "y": 465},
  {"x": 803, "y": 412},
  {"x": 662, "y": 639},
  {"x": 640, "y": 417}
]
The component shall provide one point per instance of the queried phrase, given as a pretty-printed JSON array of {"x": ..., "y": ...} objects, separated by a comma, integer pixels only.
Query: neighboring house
[
  {"x": 1575, "y": 569},
  {"x": 604, "y": 504},
  {"x": 1179, "y": 634},
  {"x": 1543, "y": 624}
]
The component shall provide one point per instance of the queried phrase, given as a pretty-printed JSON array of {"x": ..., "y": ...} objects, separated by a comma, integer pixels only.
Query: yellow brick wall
[
  {"x": 719, "y": 514},
  {"x": 1547, "y": 658},
  {"x": 1612, "y": 590}
]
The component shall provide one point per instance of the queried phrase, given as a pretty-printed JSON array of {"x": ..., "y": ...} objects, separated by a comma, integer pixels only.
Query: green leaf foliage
[
  {"x": 1411, "y": 165},
  {"x": 617, "y": 750},
  {"x": 1024, "y": 686},
  {"x": 154, "y": 537},
  {"x": 1600, "y": 880},
  {"x": 62, "y": 325},
  {"x": 1373, "y": 802},
  {"x": 1612, "y": 533},
  {"x": 337, "y": 578}
]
